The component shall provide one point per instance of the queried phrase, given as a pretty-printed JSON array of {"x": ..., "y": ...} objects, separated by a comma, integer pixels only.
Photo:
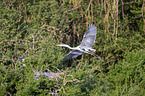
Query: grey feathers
[
  {"x": 86, "y": 44},
  {"x": 89, "y": 37},
  {"x": 74, "y": 54}
]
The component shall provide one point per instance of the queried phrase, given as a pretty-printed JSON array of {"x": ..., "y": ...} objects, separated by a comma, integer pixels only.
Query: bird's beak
[{"x": 58, "y": 45}]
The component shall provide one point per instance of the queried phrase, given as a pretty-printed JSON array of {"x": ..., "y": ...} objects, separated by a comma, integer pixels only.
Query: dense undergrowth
[{"x": 32, "y": 29}]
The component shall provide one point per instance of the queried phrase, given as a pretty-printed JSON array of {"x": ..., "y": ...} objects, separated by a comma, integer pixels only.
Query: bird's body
[{"x": 86, "y": 44}]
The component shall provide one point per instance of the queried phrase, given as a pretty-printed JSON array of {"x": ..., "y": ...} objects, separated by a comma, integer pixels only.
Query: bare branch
[{"x": 73, "y": 8}]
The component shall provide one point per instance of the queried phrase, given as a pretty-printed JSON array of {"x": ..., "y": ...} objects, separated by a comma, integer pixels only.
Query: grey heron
[{"x": 86, "y": 44}]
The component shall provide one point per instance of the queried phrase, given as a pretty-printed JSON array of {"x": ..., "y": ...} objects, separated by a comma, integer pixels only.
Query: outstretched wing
[
  {"x": 74, "y": 54},
  {"x": 89, "y": 37}
]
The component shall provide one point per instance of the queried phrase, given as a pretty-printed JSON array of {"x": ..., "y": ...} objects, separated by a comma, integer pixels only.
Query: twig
[
  {"x": 73, "y": 8},
  {"x": 131, "y": 2},
  {"x": 142, "y": 10},
  {"x": 122, "y": 9},
  {"x": 89, "y": 6},
  {"x": 92, "y": 11},
  {"x": 117, "y": 20},
  {"x": 56, "y": 68}
]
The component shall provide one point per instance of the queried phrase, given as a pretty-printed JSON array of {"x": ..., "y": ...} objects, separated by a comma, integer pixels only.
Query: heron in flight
[{"x": 86, "y": 44}]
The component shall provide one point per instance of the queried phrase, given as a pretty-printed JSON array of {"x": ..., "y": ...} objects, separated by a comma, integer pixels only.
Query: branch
[{"x": 73, "y": 8}]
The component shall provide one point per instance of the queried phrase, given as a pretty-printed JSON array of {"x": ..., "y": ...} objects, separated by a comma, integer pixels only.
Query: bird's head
[
  {"x": 58, "y": 45},
  {"x": 62, "y": 45}
]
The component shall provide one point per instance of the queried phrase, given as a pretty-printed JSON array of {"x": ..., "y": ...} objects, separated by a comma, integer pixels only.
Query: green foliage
[{"x": 32, "y": 29}]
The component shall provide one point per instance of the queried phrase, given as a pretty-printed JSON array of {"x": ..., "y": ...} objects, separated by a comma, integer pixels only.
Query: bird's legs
[{"x": 95, "y": 55}]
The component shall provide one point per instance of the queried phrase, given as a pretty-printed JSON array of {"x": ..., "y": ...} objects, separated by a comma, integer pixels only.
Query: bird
[{"x": 86, "y": 44}]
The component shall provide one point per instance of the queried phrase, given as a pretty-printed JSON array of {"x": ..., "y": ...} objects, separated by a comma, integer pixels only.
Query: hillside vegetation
[{"x": 31, "y": 29}]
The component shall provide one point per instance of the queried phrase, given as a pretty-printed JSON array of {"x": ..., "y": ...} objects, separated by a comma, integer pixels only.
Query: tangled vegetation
[{"x": 33, "y": 28}]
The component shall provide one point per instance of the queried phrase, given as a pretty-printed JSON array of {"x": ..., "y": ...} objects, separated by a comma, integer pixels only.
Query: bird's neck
[{"x": 69, "y": 47}]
